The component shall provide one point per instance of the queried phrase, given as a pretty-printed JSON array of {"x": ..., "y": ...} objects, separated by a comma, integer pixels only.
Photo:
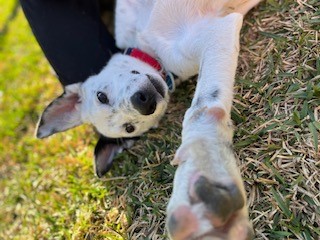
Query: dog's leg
[{"x": 208, "y": 199}]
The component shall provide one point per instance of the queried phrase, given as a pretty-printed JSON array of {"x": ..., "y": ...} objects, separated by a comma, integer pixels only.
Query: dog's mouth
[{"x": 160, "y": 88}]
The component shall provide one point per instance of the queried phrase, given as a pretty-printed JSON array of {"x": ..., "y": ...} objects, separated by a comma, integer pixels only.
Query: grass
[{"x": 48, "y": 187}]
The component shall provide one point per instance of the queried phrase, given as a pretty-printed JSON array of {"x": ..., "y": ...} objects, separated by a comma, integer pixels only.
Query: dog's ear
[
  {"x": 61, "y": 114},
  {"x": 105, "y": 151}
]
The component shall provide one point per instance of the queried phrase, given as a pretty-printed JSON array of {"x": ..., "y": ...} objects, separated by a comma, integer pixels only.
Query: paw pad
[
  {"x": 182, "y": 223},
  {"x": 221, "y": 200}
]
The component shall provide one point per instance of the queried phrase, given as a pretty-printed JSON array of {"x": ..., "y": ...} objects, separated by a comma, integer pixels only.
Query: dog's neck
[
  {"x": 168, "y": 77},
  {"x": 144, "y": 57}
]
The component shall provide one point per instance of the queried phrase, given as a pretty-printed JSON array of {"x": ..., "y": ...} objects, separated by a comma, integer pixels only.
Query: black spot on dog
[
  {"x": 215, "y": 94},
  {"x": 198, "y": 102},
  {"x": 135, "y": 72}
]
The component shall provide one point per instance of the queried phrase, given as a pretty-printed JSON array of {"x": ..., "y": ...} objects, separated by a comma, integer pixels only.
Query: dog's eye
[
  {"x": 135, "y": 72},
  {"x": 129, "y": 128},
  {"x": 102, "y": 97}
]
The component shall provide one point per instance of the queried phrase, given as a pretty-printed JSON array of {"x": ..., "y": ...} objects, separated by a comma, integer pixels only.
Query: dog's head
[{"x": 127, "y": 98}]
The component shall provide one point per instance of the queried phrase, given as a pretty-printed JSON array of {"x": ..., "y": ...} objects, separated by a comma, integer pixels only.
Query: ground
[{"x": 48, "y": 188}]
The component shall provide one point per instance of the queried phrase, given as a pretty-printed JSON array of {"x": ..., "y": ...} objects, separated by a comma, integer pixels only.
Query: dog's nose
[{"x": 144, "y": 102}]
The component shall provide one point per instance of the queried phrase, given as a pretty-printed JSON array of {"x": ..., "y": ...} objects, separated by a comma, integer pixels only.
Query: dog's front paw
[
  {"x": 215, "y": 211},
  {"x": 208, "y": 200}
]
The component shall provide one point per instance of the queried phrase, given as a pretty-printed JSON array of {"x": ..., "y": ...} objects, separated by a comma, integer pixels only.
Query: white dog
[{"x": 166, "y": 38}]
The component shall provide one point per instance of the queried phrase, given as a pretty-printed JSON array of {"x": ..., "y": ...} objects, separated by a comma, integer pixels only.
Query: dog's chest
[{"x": 158, "y": 28}]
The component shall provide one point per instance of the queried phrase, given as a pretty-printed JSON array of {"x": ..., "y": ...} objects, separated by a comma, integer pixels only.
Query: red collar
[
  {"x": 151, "y": 61},
  {"x": 144, "y": 57}
]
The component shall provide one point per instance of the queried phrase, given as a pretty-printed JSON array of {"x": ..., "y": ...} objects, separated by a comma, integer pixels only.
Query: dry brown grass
[{"x": 280, "y": 162}]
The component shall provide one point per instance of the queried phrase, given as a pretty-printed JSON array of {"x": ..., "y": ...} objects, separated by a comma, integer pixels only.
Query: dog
[{"x": 166, "y": 42}]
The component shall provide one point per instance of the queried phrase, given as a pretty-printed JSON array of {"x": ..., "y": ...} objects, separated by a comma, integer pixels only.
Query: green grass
[{"x": 48, "y": 189}]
